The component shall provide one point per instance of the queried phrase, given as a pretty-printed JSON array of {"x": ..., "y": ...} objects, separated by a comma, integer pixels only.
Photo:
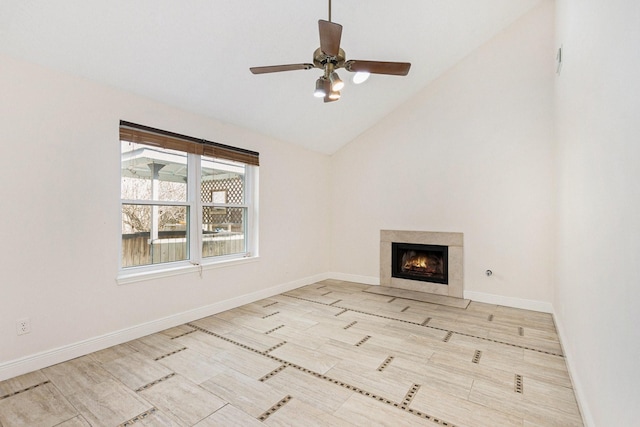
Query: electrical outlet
[{"x": 23, "y": 326}]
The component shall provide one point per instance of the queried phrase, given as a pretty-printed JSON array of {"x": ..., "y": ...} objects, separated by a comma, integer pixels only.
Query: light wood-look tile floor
[{"x": 328, "y": 354}]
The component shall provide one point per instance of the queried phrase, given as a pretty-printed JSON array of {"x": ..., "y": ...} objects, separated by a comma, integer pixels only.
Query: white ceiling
[{"x": 196, "y": 54}]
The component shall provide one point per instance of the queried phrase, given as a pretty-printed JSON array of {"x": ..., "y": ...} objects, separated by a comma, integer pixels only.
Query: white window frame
[{"x": 196, "y": 262}]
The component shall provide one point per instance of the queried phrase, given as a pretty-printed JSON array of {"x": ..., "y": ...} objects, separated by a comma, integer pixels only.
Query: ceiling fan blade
[
  {"x": 330, "y": 35},
  {"x": 278, "y": 68},
  {"x": 378, "y": 67}
]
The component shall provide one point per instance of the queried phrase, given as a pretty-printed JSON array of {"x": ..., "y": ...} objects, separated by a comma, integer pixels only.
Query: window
[{"x": 184, "y": 200}]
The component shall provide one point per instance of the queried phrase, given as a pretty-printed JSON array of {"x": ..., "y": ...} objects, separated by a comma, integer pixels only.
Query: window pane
[
  {"x": 222, "y": 181},
  {"x": 154, "y": 234},
  {"x": 150, "y": 173},
  {"x": 225, "y": 232},
  {"x": 223, "y": 227}
]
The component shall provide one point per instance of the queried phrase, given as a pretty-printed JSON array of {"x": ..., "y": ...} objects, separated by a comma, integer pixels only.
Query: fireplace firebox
[{"x": 428, "y": 263}]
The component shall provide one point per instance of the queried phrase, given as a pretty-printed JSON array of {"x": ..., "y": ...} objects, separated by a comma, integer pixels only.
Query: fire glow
[{"x": 423, "y": 263}]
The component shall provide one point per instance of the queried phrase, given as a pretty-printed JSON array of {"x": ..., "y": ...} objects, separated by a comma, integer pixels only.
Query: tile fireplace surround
[{"x": 453, "y": 240}]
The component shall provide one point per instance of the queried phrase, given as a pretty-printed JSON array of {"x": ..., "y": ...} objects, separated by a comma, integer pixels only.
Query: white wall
[
  {"x": 598, "y": 274},
  {"x": 472, "y": 153},
  {"x": 60, "y": 219}
]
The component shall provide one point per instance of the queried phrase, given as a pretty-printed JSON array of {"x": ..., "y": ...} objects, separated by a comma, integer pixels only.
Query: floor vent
[
  {"x": 392, "y": 299},
  {"x": 490, "y": 318},
  {"x": 521, "y": 331},
  {"x": 518, "y": 384},
  {"x": 320, "y": 287},
  {"x": 158, "y": 381},
  {"x": 269, "y": 305},
  {"x": 363, "y": 340},
  {"x": 272, "y": 373},
  {"x": 274, "y": 329},
  {"x": 23, "y": 390},
  {"x": 385, "y": 363},
  {"x": 137, "y": 418},
  {"x": 335, "y": 302},
  {"x": 342, "y": 312},
  {"x": 405, "y": 309},
  {"x": 448, "y": 336},
  {"x": 272, "y": 314},
  {"x": 476, "y": 356},
  {"x": 170, "y": 354},
  {"x": 426, "y": 321},
  {"x": 326, "y": 293},
  {"x": 274, "y": 408},
  {"x": 350, "y": 325}
]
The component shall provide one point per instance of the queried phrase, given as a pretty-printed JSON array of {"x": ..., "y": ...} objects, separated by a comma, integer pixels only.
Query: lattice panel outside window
[{"x": 234, "y": 189}]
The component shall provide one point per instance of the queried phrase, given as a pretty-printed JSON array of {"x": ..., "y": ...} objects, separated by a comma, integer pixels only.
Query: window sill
[{"x": 126, "y": 277}]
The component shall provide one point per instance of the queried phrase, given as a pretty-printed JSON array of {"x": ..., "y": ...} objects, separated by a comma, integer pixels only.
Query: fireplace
[
  {"x": 436, "y": 261},
  {"x": 428, "y": 263}
]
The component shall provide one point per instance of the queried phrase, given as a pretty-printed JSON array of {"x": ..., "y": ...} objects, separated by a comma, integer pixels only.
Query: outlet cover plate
[{"x": 23, "y": 326}]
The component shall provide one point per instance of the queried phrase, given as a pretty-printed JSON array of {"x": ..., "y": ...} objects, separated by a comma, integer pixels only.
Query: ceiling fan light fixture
[
  {"x": 336, "y": 83},
  {"x": 334, "y": 95},
  {"x": 361, "y": 77},
  {"x": 320, "y": 91}
]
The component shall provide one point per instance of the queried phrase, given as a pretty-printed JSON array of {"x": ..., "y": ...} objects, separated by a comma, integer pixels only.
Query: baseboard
[
  {"x": 41, "y": 360},
  {"x": 526, "y": 304},
  {"x": 365, "y": 280},
  {"x": 587, "y": 418}
]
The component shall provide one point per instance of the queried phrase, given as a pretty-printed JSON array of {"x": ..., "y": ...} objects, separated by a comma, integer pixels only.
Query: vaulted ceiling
[{"x": 196, "y": 54}]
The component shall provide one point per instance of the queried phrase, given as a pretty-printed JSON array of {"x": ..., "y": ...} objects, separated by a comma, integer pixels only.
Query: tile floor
[{"x": 328, "y": 354}]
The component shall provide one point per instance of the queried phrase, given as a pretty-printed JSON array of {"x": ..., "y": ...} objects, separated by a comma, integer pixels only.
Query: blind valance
[{"x": 141, "y": 134}]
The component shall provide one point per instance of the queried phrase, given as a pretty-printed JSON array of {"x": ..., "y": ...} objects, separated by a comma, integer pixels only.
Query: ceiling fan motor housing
[{"x": 320, "y": 59}]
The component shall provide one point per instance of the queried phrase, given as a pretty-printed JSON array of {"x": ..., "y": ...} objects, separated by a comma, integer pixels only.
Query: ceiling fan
[{"x": 329, "y": 57}]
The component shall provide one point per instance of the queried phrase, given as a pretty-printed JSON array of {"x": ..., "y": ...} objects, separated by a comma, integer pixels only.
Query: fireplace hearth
[{"x": 428, "y": 263}]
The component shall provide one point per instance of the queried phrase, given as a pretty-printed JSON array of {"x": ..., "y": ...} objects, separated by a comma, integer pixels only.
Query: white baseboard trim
[
  {"x": 33, "y": 362},
  {"x": 587, "y": 418},
  {"x": 365, "y": 280},
  {"x": 526, "y": 304}
]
